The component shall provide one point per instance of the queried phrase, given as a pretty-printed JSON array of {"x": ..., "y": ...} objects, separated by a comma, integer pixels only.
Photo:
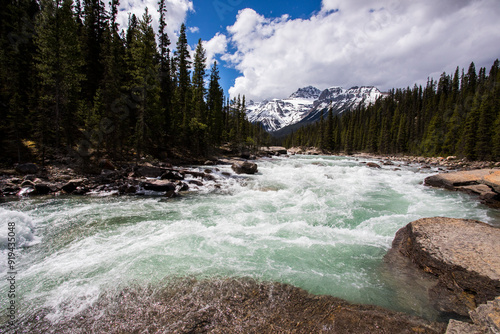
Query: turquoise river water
[{"x": 320, "y": 223}]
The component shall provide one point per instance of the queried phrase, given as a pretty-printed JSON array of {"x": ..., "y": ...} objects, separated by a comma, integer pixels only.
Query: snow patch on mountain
[
  {"x": 306, "y": 104},
  {"x": 341, "y": 100},
  {"x": 277, "y": 113}
]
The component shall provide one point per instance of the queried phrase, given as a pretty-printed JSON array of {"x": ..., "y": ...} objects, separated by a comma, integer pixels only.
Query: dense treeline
[
  {"x": 72, "y": 83},
  {"x": 457, "y": 115}
]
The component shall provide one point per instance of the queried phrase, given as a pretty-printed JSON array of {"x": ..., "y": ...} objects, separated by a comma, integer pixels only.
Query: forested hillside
[
  {"x": 72, "y": 83},
  {"x": 457, "y": 115}
]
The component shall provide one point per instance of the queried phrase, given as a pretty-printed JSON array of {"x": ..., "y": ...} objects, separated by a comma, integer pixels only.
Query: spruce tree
[
  {"x": 59, "y": 64},
  {"x": 145, "y": 88},
  {"x": 17, "y": 76},
  {"x": 329, "y": 131},
  {"x": 95, "y": 22},
  {"x": 166, "y": 88},
  {"x": 215, "y": 101},
  {"x": 182, "y": 66}
]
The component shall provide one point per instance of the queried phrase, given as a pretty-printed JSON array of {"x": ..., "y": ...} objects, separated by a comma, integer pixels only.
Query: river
[{"x": 319, "y": 223}]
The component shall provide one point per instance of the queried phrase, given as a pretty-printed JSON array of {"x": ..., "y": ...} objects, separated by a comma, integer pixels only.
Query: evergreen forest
[
  {"x": 74, "y": 84},
  {"x": 458, "y": 115}
]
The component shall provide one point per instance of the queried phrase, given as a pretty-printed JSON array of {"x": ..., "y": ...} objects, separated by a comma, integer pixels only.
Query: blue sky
[
  {"x": 269, "y": 49},
  {"x": 211, "y": 17}
]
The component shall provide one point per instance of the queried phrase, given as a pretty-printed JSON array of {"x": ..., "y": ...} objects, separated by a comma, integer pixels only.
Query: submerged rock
[
  {"x": 228, "y": 306},
  {"x": 461, "y": 255}
]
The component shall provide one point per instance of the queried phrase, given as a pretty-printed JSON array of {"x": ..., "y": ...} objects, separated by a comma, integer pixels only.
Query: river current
[{"x": 319, "y": 223}]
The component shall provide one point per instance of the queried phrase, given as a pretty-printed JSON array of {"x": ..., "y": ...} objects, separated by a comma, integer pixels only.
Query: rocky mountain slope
[{"x": 305, "y": 105}]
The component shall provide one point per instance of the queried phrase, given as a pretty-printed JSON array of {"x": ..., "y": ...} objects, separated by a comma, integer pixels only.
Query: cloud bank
[
  {"x": 385, "y": 43},
  {"x": 177, "y": 11}
]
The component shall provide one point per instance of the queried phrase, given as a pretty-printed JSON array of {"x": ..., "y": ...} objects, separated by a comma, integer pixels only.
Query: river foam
[{"x": 319, "y": 223}]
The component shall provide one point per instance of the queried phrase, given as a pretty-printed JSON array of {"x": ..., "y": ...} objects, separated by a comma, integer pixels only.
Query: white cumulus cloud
[
  {"x": 386, "y": 43},
  {"x": 215, "y": 46},
  {"x": 177, "y": 11}
]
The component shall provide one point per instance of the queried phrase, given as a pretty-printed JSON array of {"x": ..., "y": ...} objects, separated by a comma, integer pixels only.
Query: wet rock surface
[
  {"x": 462, "y": 256},
  {"x": 245, "y": 167},
  {"x": 227, "y": 306},
  {"x": 126, "y": 179}
]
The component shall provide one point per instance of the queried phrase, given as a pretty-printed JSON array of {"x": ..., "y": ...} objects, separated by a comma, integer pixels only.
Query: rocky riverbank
[
  {"x": 228, "y": 306},
  {"x": 160, "y": 179}
]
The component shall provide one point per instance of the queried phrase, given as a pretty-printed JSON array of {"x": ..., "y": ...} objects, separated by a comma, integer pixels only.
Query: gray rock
[
  {"x": 172, "y": 175},
  {"x": 483, "y": 182},
  {"x": 493, "y": 180},
  {"x": 196, "y": 183},
  {"x": 457, "y": 179},
  {"x": 44, "y": 188},
  {"x": 72, "y": 185},
  {"x": 127, "y": 189},
  {"x": 373, "y": 165},
  {"x": 487, "y": 316},
  {"x": 158, "y": 185},
  {"x": 460, "y": 327},
  {"x": 244, "y": 167}
]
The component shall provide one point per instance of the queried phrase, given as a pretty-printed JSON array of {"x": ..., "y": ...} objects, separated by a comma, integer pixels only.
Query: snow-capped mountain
[
  {"x": 305, "y": 105},
  {"x": 341, "y": 99},
  {"x": 276, "y": 113},
  {"x": 308, "y": 92}
]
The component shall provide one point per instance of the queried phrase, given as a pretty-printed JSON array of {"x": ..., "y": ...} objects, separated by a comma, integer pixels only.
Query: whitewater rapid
[{"x": 320, "y": 223}]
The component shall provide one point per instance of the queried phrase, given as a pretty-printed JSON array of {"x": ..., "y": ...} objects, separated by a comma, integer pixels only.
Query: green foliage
[
  {"x": 72, "y": 83},
  {"x": 454, "y": 116}
]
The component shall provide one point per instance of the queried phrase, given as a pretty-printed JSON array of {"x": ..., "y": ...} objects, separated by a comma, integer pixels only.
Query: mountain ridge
[{"x": 305, "y": 105}]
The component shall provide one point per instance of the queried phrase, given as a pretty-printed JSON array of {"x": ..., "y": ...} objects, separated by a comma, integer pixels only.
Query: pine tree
[
  {"x": 108, "y": 117},
  {"x": 321, "y": 137},
  {"x": 59, "y": 65},
  {"x": 17, "y": 75},
  {"x": 95, "y": 23},
  {"x": 165, "y": 72},
  {"x": 329, "y": 131},
  {"x": 145, "y": 89},
  {"x": 198, "y": 82},
  {"x": 215, "y": 101},
  {"x": 182, "y": 66},
  {"x": 484, "y": 133},
  {"x": 198, "y": 122}
]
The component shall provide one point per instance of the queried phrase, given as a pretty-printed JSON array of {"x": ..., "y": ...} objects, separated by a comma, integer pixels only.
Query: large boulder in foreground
[
  {"x": 245, "y": 167},
  {"x": 463, "y": 255}
]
